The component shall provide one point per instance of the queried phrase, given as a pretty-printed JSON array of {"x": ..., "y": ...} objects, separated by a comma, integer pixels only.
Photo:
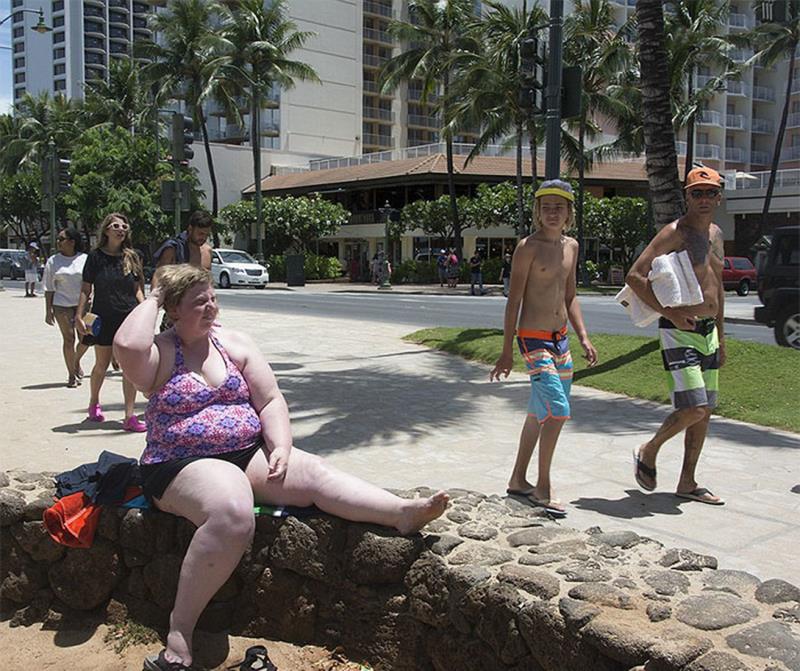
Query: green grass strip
[{"x": 759, "y": 384}]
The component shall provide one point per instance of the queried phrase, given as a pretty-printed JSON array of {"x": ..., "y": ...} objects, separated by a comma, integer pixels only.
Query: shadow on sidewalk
[{"x": 633, "y": 506}]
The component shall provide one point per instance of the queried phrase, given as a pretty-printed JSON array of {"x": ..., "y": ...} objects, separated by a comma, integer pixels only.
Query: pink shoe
[
  {"x": 134, "y": 424},
  {"x": 96, "y": 413}
]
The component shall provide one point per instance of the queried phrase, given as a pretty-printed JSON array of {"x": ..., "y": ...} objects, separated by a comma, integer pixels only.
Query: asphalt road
[{"x": 601, "y": 313}]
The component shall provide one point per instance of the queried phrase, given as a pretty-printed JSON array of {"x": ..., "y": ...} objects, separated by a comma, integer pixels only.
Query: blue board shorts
[{"x": 549, "y": 364}]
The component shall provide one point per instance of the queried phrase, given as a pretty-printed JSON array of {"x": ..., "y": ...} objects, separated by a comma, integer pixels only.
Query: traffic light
[
  {"x": 571, "y": 91},
  {"x": 182, "y": 137},
  {"x": 532, "y": 75},
  {"x": 47, "y": 177},
  {"x": 64, "y": 176}
]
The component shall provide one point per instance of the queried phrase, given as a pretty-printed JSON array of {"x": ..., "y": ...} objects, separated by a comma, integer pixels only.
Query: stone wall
[{"x": 488, "y": 586}]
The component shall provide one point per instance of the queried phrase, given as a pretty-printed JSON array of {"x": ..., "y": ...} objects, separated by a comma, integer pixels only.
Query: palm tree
[
  {"x": 659, "y": 136},
  {"x": 487, "y": 94},
  {"x": 776, "y": 41},
  {"x": 122, "y": 99},
  {"x": 694, "y": 38},
  {"x": 593, "y": 42},
  {"x": 435, "y": 40},
  {"x": 260, "y": 42},
  {"x": 186, "y": 63}
]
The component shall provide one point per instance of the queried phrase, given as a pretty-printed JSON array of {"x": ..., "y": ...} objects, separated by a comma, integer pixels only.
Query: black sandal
[
  {"x": 257, "y": 659},
  {"x": 160, "y": 663}
]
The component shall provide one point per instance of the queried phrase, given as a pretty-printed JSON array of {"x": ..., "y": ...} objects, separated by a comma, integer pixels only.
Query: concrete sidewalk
[{"x": 402, "y": 416}]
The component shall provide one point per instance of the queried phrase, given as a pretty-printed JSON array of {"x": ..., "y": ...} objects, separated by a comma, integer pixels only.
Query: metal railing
[
  {"x": 735, "y": 154},
  {"x": 793, "y": 120},
  {"x": 709, "y": 117},
  {"x": 790, "y": 154},
  {"x": 764, "y": 93},
  {"x": 759, "y": 180},
  {"x": 736, "y": 20},
  {"x": 377, "y": 113},
  {"x": 796, "y": 85},
  {"x": 371, "y": 7},
  {"x": 375, "y": 140},
  {"x": 416, "y": 94},
  {"x": 758, "y": 125},
  {"x": 759, "y": 157},
  {"x": 740, "y": 55},
  {"x": 711, "y": 151},
  {"x": 737, "y": 88},
  {"x": 378, "y": 35},
  {"x": 736, "y": 121},
  {"x": 424, "y": 120},
  {"x": 373, "y": 60}
]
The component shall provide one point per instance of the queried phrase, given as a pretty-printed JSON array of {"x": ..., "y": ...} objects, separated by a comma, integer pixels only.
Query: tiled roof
[{"x": 436, "y": 164}]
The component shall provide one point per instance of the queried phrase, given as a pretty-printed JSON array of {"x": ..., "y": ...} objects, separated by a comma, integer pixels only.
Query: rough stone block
[
  {"x": 539, "y": 583},
  {"x": 378, "y": 556},
  {"x": 712, "y": 611},
  {"x": 84, "y": 579}
]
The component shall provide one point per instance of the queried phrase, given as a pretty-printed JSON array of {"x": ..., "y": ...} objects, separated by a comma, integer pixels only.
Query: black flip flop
[
  {"x": 159, "y": 663},
  {"x": 257, "y": 659},
  {"x": 699, "y": 495},
  {"x": 640, "y": 467}
]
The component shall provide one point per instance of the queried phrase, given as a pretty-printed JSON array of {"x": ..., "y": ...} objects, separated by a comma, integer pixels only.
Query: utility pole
[
  {"x": 52, "y": 176},
  {"x": 552, "y": 161},
  {"x": 182, "y": 138}
]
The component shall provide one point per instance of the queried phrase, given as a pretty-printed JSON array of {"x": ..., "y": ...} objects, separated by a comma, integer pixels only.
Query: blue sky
[{"x": 5, "y": 58}]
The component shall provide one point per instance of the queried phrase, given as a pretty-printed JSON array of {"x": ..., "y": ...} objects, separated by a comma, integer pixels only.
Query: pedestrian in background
[
  {"x": 452, "y": 269},
  {"x": 475, "y": 274},
  {"x": 113, "y": 277},
  {"x": 505, "y": 273},
  {"x": 62, "y": 279},
  {"x": 30, "y": 264},
  {"x": 441, "y": 266}
]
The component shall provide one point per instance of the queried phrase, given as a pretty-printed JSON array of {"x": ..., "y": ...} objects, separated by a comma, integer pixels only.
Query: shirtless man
[
  {"x": 188, "y": 247},
  {"x": 543, "y": 284},
  {"x": 692, "y": 338}
]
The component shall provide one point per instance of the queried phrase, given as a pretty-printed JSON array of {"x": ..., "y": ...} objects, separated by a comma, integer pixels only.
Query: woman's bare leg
[
  {"x": 310, "y": 480},
  {"x": 67, "y": 342},
  {"x": 129, "y": 395},
  {"x": 102, "y": 357},
  {"x": 216, "y": 496}
]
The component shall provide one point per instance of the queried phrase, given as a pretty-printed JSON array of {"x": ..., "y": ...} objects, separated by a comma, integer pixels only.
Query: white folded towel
[
  {"x": 673, "y": 280},
  {"x": 641, "y": 313}
]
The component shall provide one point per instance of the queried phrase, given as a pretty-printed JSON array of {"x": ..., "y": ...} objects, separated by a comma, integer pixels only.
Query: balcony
[
  {"x": 378, "y": 9},
  {"x": 371, "y": 86},
  {"x": 377, "y": 114},
  {"x": 793, "y": 120},
  {"x": 91, "y": 12},
  {"x": 796, "y": 85},
  {"x": 758, "y": 125},
  {"x": 424, "y": 120},
  {"x": 736, "y": 88},
  {"x": 374, "y": 35},
  {"x": 735, "y": 154},
  {"x": 119, "y": 4},
  {"x": 94, "y": 44},
  {"x": 416, "y": 94},
  {"x": 701, "y": 80},
  {"x": 374, "y": 61},
  {"x": 740, "y": 55},
  {"x": 117, "y": 18},
  {"x": 709, "y": 118},
  {"x": 764, "y": 93},
  {"x": 709, "y": 151},
  {"x": 759, "y": 157},
  {"x": 736, "y": 20},
  {"x": 116, "y": 49},
  {"x": 93, "y": 29},
  {"x": 790, "y": 154},
  {"x": 735, "y": 122},
  {"x": 374, "y": 140}
]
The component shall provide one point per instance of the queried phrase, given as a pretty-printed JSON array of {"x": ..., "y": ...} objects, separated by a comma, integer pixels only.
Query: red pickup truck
[{"x": 738, "y": 272}]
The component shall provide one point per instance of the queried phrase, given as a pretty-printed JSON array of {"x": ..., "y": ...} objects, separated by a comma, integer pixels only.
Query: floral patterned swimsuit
[{"x": 187, "y": 417}]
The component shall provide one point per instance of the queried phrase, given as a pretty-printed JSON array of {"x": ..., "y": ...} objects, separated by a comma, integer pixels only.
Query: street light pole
[
  {"x": 552, "y": 162},
  {"x": 386, "y": 213}
]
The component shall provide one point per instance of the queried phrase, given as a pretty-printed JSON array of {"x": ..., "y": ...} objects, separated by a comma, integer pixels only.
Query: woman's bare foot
[{"x": 418, "y": 512}]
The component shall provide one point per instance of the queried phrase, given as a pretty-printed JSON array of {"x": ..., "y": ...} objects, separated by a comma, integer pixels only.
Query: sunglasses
[
  {"x": 61, "y": 238},
  {"x": 118, "y": 226},
  {"x": 704, "y": 193}
]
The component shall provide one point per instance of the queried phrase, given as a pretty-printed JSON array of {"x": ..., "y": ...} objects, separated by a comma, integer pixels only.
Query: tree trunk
[
  {"x": 689, "y": 130},
  {"x": 451, "y": 182},
  {"x": 255, "y": 141},
  {"x": 520, "y": 195},
  {"x": 776, "y": 154},
  {"x": 211, "y": 173},
  {"x": 659, "y": 135}
]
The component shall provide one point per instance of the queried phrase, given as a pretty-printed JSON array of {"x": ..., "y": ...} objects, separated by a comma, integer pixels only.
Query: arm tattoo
[{"x": 717, "y": 246}]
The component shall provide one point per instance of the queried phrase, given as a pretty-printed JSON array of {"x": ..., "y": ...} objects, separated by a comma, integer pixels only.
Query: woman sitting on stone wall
[{"x": 219, "y": 441}]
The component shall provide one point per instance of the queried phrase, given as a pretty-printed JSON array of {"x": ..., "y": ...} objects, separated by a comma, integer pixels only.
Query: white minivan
[{"x": 234, "y": 267}]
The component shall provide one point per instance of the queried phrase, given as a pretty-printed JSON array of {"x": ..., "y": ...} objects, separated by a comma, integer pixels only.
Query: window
[
  {"x": 60, "y": 85},
  {"x": 19, "y": 46},
  {"x": 16, "y": 3},
  {"x": 59, "y": 69},
  {"x": 18, "y": 93},
  {"x": 742, "y": 264},
  {"x": 18, "y": 17},
  {"x": 19, "y": 31},
  {"x": 59, "y": 52},
  {"x": 58, "y": 37},
  {"x": 19, "y": 62},
  {"x": 58, "y": 5},
  {"x": 19, "y": 78},
  {"x": 58, "y": 21}
]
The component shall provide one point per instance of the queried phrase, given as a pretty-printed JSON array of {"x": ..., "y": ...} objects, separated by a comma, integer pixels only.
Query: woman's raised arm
[{"x": 134, "y": 344}]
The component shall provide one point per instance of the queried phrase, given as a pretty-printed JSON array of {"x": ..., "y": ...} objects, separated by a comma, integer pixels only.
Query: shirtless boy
[
  {"x": 692, "y": 338},
  {"x": 543, "y": 285}
]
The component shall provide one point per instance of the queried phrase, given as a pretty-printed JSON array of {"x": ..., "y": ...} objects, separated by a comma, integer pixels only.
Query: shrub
[
  {"x": 415, "y": 272},
  {"x": 315, "y": 267}
]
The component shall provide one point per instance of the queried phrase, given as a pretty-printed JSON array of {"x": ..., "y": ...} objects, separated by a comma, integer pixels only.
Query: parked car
[
  {"x": 11, "y": 263},
  {"x": 779, "y": 287},
  {"x": 233, "y": 267},
  {"x": 739, "y": 273}
]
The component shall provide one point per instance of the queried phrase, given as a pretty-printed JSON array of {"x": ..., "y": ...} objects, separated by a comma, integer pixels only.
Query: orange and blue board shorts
[{"x": 549, "y": 364}]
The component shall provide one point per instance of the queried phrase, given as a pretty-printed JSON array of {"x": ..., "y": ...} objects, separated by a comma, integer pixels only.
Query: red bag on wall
[{"x": 73, "y": 520}]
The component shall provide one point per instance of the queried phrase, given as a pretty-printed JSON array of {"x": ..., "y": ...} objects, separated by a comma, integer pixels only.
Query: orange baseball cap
[{"x": 703, "y": 176}]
